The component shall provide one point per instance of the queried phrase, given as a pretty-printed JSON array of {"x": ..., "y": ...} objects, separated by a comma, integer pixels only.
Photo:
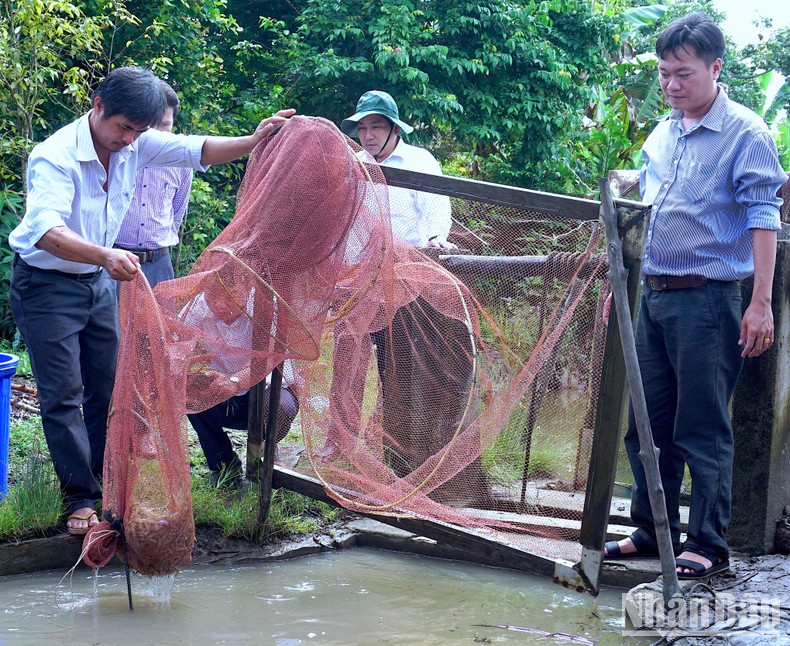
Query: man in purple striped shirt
[
  {"x": 711, "y": 172},
  {"x": 150, "y": 227}
]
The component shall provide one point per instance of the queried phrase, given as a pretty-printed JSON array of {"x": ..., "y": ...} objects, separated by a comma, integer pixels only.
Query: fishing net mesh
[{"x": 458, "y": 388}]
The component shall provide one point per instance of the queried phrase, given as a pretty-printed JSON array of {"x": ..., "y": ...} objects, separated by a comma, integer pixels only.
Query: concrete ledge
[{"x": 55, "y": 553}]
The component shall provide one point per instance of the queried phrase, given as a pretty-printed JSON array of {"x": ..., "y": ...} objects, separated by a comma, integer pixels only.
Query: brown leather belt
[
  {"x": 660, "y": 283},
  {"x": 147, "y": 255}
]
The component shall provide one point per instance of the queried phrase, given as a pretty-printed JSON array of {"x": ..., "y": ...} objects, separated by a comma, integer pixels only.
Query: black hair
[
  {"x": 171, "y": 98},
  {"x": 134, "y": 93},
  {"x": 696, "y": 30}
]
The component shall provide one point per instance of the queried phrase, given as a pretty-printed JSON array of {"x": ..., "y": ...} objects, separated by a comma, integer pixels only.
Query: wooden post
[
  {"x": 648, "y": 453},
  {"x": 269, "y": 447},
  {"x": 609, "y": 415},
  {"x": 256, "y": 425}
]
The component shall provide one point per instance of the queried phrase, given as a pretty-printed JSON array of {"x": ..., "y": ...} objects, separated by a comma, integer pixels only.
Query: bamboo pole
[{"x": 618, "y": 276}]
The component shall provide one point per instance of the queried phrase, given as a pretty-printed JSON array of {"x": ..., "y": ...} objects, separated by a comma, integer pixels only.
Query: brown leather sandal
[{"x": 85, "y": 514}]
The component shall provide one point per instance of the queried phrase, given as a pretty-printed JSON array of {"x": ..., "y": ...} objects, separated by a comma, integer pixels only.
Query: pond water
[{"x": 348, "y": 597}]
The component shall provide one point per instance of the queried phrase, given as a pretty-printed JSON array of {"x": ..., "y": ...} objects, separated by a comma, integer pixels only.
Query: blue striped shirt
[
  {"x": 65, "y": 187},
  {"x": 709, "y": 186}
]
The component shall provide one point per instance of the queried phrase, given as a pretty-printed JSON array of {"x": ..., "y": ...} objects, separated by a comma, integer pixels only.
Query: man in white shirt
[
  {"x": 419, "y": 219},
  {"x": 80, "y": 183},
  {"x": 427, "y": 347}
]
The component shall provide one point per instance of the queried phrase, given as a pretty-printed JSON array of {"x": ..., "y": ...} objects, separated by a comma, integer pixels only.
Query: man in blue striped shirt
[
  {"x": 711, "y": 172},
  {"x": 80, "y": 184}
]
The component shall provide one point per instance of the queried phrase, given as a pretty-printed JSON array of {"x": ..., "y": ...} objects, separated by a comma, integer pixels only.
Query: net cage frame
[{"x": 582, "y": 573}]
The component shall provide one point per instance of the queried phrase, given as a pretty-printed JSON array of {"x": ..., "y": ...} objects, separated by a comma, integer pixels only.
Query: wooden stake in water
[
  {"x": 270, "y": 444},
  {"x": 648, "y": 453}
]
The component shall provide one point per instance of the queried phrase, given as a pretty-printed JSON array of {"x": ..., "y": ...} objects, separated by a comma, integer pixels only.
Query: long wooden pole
[
  {"x": 648, "y": 453},
  {"x": 269, "y": 446}
]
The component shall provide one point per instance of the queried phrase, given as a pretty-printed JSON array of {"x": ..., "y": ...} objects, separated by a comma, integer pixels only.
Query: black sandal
[{"x": 699, "y": 570}]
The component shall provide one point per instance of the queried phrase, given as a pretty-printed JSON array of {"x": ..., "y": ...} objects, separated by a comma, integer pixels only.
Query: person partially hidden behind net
[{"x": 219, "y": 320}]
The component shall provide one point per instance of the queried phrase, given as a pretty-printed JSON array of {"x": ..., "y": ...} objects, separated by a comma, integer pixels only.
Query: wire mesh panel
[{"x": 472, "y": 401}]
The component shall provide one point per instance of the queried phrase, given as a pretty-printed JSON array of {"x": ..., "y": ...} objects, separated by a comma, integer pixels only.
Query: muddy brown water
[{"x": 358, "y": 596}]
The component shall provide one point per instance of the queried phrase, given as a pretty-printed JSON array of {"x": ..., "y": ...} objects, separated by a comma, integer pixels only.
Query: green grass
[
  {"x": 26, "y": 442},
  {"x": 34, "y": 505},
  {"x": 553, "y": 448},
  {"x": 236, "y": 512},
  {"x": 503, "y": 461}
]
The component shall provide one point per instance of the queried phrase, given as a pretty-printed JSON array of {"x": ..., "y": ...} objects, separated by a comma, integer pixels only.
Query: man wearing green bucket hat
[{"x": 418, "y": 219}]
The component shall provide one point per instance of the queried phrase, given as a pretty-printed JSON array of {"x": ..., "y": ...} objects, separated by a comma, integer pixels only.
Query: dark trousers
[
  {"x": 210, "y": 426},
  {"x": 687, "y": 342},
  {"x": 425, "y": 369},
  {"x": 70, "y": 328}
]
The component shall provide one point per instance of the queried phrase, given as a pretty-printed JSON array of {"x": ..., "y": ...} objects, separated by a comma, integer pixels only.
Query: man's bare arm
[
  {"x": 220, "y": 150},
  {"x": 758, "y": 320},
  {"x": 64, "y": 243}
]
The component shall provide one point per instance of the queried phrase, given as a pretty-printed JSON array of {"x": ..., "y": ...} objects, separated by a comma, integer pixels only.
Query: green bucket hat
[{"x": 374, "y": 102}]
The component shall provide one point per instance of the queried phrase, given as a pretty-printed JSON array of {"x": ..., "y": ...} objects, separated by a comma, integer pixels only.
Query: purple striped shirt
[
  {"x": 709, "y": 186},
  {"x": 160, "y": 200}
]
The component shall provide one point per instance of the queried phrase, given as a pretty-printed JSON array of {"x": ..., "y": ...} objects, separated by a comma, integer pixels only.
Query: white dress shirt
[
  {"x": 65, "y": 187},
  {"x": 416, "y": 216}
]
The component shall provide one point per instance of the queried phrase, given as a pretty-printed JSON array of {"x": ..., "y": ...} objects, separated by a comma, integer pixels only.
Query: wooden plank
[
  {"x": 518, "y": 266},
  {"x": 609, "y": 416},
  {"x": 481, "y": 547},
  {"x": 517, "y": 198}
]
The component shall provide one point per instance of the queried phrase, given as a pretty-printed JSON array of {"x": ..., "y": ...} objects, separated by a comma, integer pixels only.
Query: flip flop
[
  {"x": 700, "y": 571},
  {"x": 81, "y": 514}
]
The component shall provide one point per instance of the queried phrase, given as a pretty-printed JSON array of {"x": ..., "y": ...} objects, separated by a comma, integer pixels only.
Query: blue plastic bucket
[{"x": 8, "y": 363}]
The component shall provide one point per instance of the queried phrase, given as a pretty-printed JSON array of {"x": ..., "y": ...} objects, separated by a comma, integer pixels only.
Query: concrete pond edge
[{"x": 62, "y": 552}]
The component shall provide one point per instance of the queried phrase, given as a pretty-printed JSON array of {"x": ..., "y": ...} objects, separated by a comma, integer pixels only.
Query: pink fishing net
[{"x": 410, "y": 380}]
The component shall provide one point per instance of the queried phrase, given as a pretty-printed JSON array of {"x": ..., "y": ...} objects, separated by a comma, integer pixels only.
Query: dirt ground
[
  {"x": 24, "y": 401},
  {"x": 748, "y": 605}
]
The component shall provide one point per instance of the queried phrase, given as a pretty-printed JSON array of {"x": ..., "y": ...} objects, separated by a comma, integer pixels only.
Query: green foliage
[
  {"x": 16, "y": 348},
  {"x": 773, "y": 54},
  {"x": 505, "y": 78},
  {"x": 12, "y": 206},
  {"x": 210, "y": 211},
  {"x": 48, "y": 49}
]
